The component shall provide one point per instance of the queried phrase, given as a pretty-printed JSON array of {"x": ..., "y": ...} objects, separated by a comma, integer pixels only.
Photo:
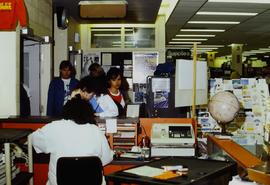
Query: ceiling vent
[{"x": 103, "y": 9}]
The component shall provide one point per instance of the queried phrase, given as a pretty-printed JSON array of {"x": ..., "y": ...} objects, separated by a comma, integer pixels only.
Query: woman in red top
[{"x": 114, "y": 82}]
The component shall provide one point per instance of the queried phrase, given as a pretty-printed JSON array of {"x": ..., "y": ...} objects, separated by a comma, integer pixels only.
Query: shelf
[
  {"x": 11, "y": 135},
  {"x": 22, "y": 178}
]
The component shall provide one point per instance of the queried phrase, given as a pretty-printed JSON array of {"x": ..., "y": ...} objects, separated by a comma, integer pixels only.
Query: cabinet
[
  {"x": 8, "y": 136},
  {"x": 126, "y": 135}
]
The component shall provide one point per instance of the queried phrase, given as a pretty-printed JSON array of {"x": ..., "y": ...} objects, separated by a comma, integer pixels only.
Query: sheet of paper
[
  {"x": 147, "y": 171},
  {"x": 133, "y": 111},
  {"x": 106, "y": 59},
  {"x": 111, "y": 125},
  {"x": 160, "y": 84}
]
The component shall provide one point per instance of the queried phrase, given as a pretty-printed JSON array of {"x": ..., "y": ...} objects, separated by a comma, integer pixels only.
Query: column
[{"x": 236, "y": 63}]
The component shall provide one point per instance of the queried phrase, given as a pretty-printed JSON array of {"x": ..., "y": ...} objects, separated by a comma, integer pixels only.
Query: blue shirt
[{"x": 93, "y": 102}]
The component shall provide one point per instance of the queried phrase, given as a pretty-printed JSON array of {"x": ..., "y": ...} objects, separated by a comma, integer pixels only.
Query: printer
[{"x": 172, "y": 139}]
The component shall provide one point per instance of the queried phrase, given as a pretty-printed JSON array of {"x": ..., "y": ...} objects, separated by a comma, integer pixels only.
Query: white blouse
[{"x": 65, "y": 138}]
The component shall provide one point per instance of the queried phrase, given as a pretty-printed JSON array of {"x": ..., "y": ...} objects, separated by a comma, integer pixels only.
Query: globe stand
[{"x": 223, "y": 129}]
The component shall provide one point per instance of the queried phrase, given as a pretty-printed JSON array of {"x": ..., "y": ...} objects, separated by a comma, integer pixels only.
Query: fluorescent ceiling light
[
  {"x": 214, "y": 46},
  {"x": 203, "y": 46},
  {"x": 207, "y": 48},
  {"x": 258, "y": 51},
  {"x": 241, "y": 1},
  {"x": 184, "y": 42},
  {"x": 190, "y": 39},
  {"x": 213, "y": 22},
  {"x": 179, "y": 46},
  {"x": 203, "y": 30},
  {"x": 103, "y": 2},
  {"x": 264, "y": 49},
  {"x": 253, "y": 52},
  {"x": 227, "y": 13},
  {"x": 202, "y": 49},
  {"x": 195, "y": 35}
]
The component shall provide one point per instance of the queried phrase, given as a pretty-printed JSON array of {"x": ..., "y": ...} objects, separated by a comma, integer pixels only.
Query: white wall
[
  {"x": 9, "y": 73},
  {"x": 45, "y": 75}
]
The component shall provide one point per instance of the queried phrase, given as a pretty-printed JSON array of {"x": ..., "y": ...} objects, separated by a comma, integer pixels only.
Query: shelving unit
[
  {"x": 8, "y": 136},
  {"x": 126, "y": 135}
]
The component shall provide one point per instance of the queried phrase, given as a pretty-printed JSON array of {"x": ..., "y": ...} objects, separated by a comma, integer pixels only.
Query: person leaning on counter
[{"x": 75, "y": 135}]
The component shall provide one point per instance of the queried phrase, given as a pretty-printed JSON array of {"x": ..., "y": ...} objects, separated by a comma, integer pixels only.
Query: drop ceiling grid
[{"x": 248, "y": 30}]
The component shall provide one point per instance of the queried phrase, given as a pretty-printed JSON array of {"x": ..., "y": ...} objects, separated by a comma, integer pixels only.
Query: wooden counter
[
  {"x": 244, "y": 158},
  {"x": 41, "y": 161}
]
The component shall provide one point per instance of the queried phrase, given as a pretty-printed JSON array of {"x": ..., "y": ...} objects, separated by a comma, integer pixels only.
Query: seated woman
[{"x": 75, "y": 135}]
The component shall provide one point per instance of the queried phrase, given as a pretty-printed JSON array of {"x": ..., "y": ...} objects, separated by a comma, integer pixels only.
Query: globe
[{"x": 223, "y": 107}]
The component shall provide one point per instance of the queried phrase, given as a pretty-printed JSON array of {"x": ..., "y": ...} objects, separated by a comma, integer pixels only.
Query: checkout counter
[
  {"x": 142, "y": 129},
  {"x": 172, "y": 132}
]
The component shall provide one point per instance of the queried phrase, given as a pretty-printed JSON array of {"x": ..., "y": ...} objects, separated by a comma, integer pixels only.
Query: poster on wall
[
  {"x": 88, "y": 59},
  {"x": 161, "y": 89},
  {"x": 144, "y": 64}
]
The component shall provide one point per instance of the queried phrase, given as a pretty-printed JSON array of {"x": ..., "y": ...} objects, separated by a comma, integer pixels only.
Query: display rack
[
  {"x": 126, "y": 135},
  {"x": 8, "y": 136}
]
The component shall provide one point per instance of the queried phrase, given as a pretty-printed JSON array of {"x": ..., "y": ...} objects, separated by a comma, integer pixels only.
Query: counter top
[
  {"x": 47, "y": 119},
  {"x": 28, "y": 119}
]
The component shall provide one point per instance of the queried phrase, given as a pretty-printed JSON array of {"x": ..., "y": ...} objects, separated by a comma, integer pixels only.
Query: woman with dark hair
[
  {"x": 75, "y": 135},
  {"x": 114, "y": 83}
]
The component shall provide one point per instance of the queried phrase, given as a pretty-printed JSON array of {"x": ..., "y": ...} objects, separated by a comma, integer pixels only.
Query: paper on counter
[{"x": 147, "y": 171}]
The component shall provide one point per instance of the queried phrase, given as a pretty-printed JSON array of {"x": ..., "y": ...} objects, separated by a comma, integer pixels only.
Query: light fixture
[
  {"x": 184, "y": 42},
  {"x": 201, "y": 49},
  {"x": 207, "y": 48},
  {"x": 264, "y": 49},
  {"x": 203, "y": 30},
  {"x": 227, "y": 13},
  {"x": 178, "y": 46},
  {"x": 195, "y": 35},
  {"x": 214, "y": 46},
  {"x": 103, "y": 9},
  {"x": 213, "y": 22},
  {"x": 241, "y": 1},
  {"x": 258, "y": 51},
  {"x": 190, "y": 39}
]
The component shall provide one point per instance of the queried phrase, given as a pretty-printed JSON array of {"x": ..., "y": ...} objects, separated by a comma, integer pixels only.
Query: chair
[{"x": 79, "y": 171}]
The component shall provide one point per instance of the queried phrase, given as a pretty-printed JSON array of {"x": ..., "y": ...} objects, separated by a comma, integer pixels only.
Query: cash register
[{"x": 172, "y": 140}]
